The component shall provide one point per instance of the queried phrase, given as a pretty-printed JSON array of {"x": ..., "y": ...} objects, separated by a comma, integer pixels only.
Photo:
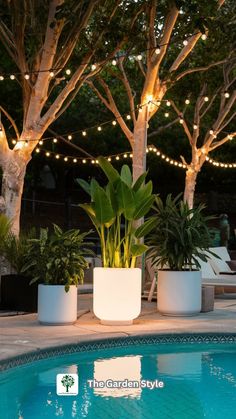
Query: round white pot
[
  {"x": 117, "y": 295},
  {"x": 179, "y": 292},
  {"x": 55, "y": 306}
]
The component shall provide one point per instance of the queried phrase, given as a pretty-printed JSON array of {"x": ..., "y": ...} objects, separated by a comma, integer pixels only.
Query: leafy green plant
[
  {"x": 57, "y": 258},
  {"x": 5, "y": 226},
  {"x": 114, "y": 210},
  {"x": 180, "y": 235},
  {"x": 15, "y": 249}
]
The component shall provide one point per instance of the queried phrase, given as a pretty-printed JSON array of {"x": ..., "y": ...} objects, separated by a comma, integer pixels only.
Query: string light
[
  {"x": 206, "y": 98},
  {"x": 1, "y": 78},
  {"x": 226, "y": 94},
  {"x": 84, "y": 133},
  {"x": 139, "y": 57},
  {"x": 51, "y": 74},
  {"x": 99, "y": 128},
  {"x": 55, "y": 140},
  {"x": 68, "y": 71},
  {"x": 114, "y": 62},
  {"x": 195, "y": 126},
  {"x": 114, "y": 122},
  {"x": 187, "y": 101},
  {"x": 168, "y": 103},
  {"x": 27, "y": 76},
  {"x": 12, "y": 77},
  {"x": 157, "y": 50},
  {"x": 185, "y": 42},
  {"x": 128, "y": 117},
  {"x": 166, "y": 114},
  {"x": 204, "y": 37},
  {"x": 93, "y": 67},
  {"x": 69, "y": 137}
]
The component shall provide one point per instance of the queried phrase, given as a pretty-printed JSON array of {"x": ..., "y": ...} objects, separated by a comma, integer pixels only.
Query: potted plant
[
  {"x": 114, "y": 210},
  {"x": 16, "y": 292},
  {"x": 180, "y": 238},
  {"x": 57, "y": 262}
]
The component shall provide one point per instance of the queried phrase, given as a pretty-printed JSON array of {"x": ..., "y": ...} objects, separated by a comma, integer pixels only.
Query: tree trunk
[
  {"x": 190, "y": 183},
  {"x": 12, "y": 188},
  {"x": 140, "y": 144}
]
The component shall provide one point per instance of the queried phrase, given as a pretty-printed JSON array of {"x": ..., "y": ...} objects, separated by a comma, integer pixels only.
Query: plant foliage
[
  {"x": 180, "y": 235},
  {"x": 114, "y": 210},
  {"x": 57, "y": 258}
]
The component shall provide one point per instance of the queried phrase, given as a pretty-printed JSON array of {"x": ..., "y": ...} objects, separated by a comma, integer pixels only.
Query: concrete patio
[{"x": 22, "y": 333}]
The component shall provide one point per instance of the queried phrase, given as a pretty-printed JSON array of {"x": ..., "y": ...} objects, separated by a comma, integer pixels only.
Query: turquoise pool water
[{"x": 199, "y": 381}]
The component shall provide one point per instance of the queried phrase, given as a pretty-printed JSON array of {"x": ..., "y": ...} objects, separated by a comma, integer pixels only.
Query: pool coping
[{"x": 107, "y": 342}]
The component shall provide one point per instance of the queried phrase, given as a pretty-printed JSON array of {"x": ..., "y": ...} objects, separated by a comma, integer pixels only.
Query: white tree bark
[{"x": 190, "y": 184}]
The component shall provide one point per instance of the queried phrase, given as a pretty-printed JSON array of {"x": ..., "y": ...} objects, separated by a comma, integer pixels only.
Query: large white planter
[
  {"x": 117, "y": 295},
  {"x": 55, "y": 306},
  {"x": 179, "y": 292}
]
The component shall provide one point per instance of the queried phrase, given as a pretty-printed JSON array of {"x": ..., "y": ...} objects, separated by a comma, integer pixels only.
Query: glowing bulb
[
  {"x": 128, "y": 117},
  {"x": 114, "y": 62},
  {"x": 13, "y": 141},
  {"x": 1, "y": 78},
  {"x": 47, "y": 154},
  {"x": 149, "y": 98},
  {"x": 93, "y": 161},
  {"x": 195, "y": 126},
  {"x": 40, "y": 142},
  {"x": 158, "y": 153},
  {"x": 27, "y": 76},
  {"x": 158, "y": 103},
  {"x": 68, "y": 72},
  {"x": 168, "y": 103},
  {"x": 131, "y": 155},
  {"x": 57, "y": 156},
  {"x": 166, "y": 114},
  {"x": 55, "y": 140},
  {"x": 181, "y": 121},
  {"x": 229, "y": 137},
  {"x": 125, "y": 156},
  {"x": 140, "y": 109},
  {"x": 84, "y": 133},
  {"x": 69, "y": 137},
  {"x": 206, "y": 98},
  {"x": 227, "y": 95},
  {"x": 37, "y": 150},
  {"x": 109, "y": 159},
  {"x": 187, "y": 101},
  {"x": 117, "y": 158},
  {"x": 157, "y": 50},
  {"x": 93, "y": 67},
  {"x": 74, "y": 160},
  {"x": 84, "y": 161},
  {"x": 114, "y": 122},
  {"x": 185, "y": 42},
  {"x": 99, "y": 128},
  {"x": 211, "y": 131},
  {"x": 12, "y": 77},
  {"x": 51, "y": 74},
  {"x": 65, "y": 158},
  {"x": 139, "y": 57},
  {"x": 204, "y": 37}
]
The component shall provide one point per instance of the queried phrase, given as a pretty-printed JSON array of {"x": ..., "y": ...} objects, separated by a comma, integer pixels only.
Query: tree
[
  {"x": 167, "y": 48},
  {"x": 205, "y": 127},
  {"x": 67, "y": 381},
  {"x": 42, "y": 38}
]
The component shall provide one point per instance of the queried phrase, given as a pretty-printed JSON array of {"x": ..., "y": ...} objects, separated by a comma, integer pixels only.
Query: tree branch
[
  {"x": 185, "y": 52},
  {"x": 128, "y": 89},
  {"x": 196, "y": 69},
  {"x": 12, "y": 121},
  {"x": 184, "y": 124},
  {"x": 221, "y": 142},
  {"x": 163, "y": 128}
]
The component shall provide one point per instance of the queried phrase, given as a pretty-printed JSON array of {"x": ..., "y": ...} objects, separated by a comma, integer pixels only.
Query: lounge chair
[
  {"x": 210, "y": 278},
  {"x": 220, "y": 266}
]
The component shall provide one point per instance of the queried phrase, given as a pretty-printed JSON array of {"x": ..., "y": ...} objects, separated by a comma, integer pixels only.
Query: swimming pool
[{"x": 198, "y": 374}]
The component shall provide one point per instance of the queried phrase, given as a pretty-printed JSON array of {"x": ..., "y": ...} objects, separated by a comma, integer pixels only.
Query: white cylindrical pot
[
  {"x": 117, "y": 295},
  {"x": 179, "y": 292},
  {"x": 56, "y": 306}
]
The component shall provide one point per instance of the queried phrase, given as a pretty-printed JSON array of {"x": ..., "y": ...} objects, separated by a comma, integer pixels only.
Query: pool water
[{"x": 199, "y": 381}]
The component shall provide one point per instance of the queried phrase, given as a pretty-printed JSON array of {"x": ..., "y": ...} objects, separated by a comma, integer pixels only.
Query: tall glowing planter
[{"x": 117, "y": 295}]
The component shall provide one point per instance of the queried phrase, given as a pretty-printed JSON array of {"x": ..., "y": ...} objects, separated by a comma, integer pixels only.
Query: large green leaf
[
  {"x": 126, "y": 200},
  {"x": 138, "y": 249},
  {"x": 126, "y": 175},
  {"x": 102, "y": 206},
  {"x": 139, "y": 181},
  {"x": 143, "y": 207},
  {"x": 85, "y": 185},
  {"x": 145, "y": 228},
  {"x": 108, "y": 169},
  {"x": 143, "y": 192}
]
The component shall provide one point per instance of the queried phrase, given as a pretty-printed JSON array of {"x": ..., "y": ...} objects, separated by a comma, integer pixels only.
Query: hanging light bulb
[
  {"x": 181, "y": 121},
  {"x": 84, "y": 161},
  {"x": 65, "y": 158},
  {"x": 27, "y": 76},
  {"x": 99, "y": 128},
  {"x": 114, "y": 122},
  {"x": 168, "y": 103},
  {"x": 93, "y": 67},
  {"x": 166, "y": 114},
  {"x": 1, "y": 78},
  {"x": 37, "y": 150},
  {"x": 114, "y": 62},
  {"x": 47, "y": 154},
  {"x": 68, "y": 71},
  {"x": 139, "y": 57},
  {"x": 157, "y": 50},
  {"x": 84, "y": 133},
  {"x": 40, "y": 142},
  {"x": 57, "y": 156},
  {"x": 187, "y": 101},
  {"x": 109, "y": 159},
  {"x": 128, "y": 117},
  {"x": 226, "y": 95},
  {"x": 185, "y": 42},
  {"x": 51, "y": 74},
  {"x": 125, "y": 156},
  {"x": 69, "y": 137},
  {"x": 55, "y": 140},
  {"x": 230, "y": 137},
  {"x": 195, "y": 126},
  {"x": 204, "y": 37},
  {"x": 206, "y": 98},
  {"x": 74, "y": 160},
  {"x": 117, "y": 158},
  {"x": 12, "y": 77}
]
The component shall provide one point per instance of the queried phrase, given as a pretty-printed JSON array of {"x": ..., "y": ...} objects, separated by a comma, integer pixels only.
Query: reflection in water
[
  {"x": 115, "y": 370},
  {"x": 187, "y": 364}
]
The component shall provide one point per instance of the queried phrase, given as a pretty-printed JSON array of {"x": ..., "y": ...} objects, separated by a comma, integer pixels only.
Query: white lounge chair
[
  {"x": 210, "y": 278},
  {"x": 220, "y": 266}
]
